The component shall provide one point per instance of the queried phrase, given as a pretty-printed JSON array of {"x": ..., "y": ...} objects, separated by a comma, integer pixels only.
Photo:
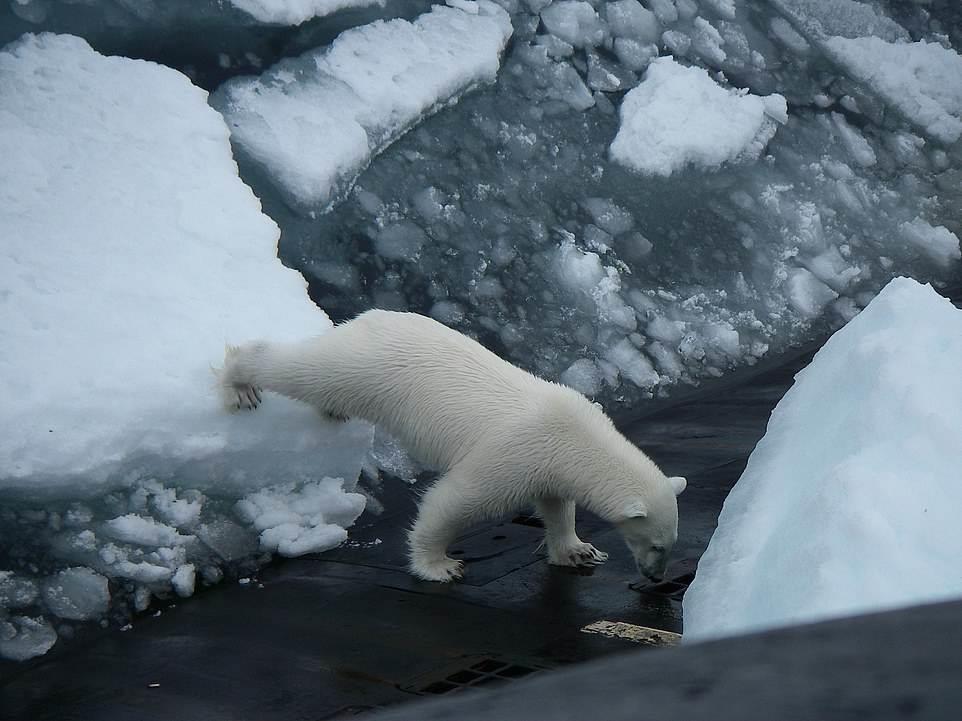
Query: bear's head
[{"x": 649, "y": 525}]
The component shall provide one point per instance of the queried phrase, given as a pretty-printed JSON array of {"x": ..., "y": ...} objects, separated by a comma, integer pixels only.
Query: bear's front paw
[
  {"x": 576, "y": 554},
  {"x": 443, "y": 570},
  {"x": 243, "y": 397}
]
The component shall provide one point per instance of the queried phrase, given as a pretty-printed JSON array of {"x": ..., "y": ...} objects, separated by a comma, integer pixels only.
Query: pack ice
[
  {"x": 849, "y": 502},
  {"x": 132, "y": 251},
  {"x": 650, "y": 193},
  {"x": 316, "y": 121}
]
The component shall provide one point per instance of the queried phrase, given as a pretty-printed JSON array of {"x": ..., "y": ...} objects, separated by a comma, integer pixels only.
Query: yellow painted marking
[{"x": 631, "y": 632}]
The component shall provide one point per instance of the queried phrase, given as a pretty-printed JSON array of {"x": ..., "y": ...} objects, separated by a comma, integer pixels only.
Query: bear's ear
[
  {"x": 678, "y": 484},
  {"x": 635, "y": 509}
]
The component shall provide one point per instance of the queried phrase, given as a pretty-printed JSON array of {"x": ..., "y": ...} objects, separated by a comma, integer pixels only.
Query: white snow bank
[
  {"x": 294, "y": 12},
  {"x": 679, "y": 116},
  {"x": 132, "y": 251},
  {"x": 923, "y": 81},
  {"x": 316, "y": 121},
  {"x": 849, "y": 503}
]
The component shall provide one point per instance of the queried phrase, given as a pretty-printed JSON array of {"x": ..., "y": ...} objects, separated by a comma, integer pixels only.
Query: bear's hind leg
[
  {"x": 564, "y": 546},
  {"x": 443, "y": 513}
]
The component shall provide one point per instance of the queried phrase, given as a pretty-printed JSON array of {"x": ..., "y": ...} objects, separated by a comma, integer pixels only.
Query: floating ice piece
[
  {"x": 76, "y": 594},
  {"x": 849, "y": 503},
  {"x": 678, "y": 116},
  {"x": 23, "y": 637},
  {"x": 294, "y": 12},
  {"x": 723, "y": 8},
  {"x": 807, "y": 294},
  {"x": 183, "y": 580},
  {"x": 632, "y": 364},
  {"x": 707, "y": 42},
  {"x": 847, "y": 18},
  {"x": 316, "y": 121},
  {"x": 575, "y": 22},
  {"x": 16, "y": 591},
  {"x": 131, "y": 253},
  {"x": 143, "y": 531},
  {"x": 630, "y": 19},
  {"x": 922, "y": 80},
  {"x": 584, "y": 376},
  {"x": 608, "y": 215},
  {"x": 791, "y": 39},
  {"x": 559, "y": 80},
  {"x": 937, "y": 242}
]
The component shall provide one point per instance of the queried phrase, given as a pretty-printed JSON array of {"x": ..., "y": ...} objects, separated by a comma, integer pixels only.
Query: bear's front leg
[
  {"x": 441, "y": 516},
  {"x": 564, "y": 546}
]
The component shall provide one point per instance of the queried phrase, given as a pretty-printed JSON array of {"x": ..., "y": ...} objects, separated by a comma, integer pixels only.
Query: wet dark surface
[
  {"x": 899, "y": 665},
  {"x": 351, "y": 630}
]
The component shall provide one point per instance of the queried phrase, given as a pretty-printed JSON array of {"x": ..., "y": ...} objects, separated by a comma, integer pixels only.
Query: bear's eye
[{"x": 658, "y": 549}]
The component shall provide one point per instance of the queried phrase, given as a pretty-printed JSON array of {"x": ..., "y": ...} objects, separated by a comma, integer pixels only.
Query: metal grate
[{"x": 488, "y": 672}]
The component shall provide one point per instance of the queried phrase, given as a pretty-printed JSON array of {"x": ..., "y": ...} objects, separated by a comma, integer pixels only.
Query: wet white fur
[{"x": 501, "y": 437}]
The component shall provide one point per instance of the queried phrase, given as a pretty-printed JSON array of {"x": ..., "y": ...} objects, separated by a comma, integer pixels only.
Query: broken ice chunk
[
  {"x": 183, "y": 580},
  {"x": 299, "y": 518},
  {"x": 143, "y": 531},
  {"x": 678, "y": 116},
  {"x": 630, "y": 19},
  {"x": 575, "y": 22},
  {"x": 316, "y": 121},
  {"x": 76, "y": 593},
  {"x": 923, "y": 81},
  {"x": 22, "y": 637},
  {"x": 295, "y": 12},
  {"x": 937, "y": 242},
  {"x": 584, "y": 376},
  {"x": 632, "y": 364},
  {"x": 16, "y": 591},
  {"x": 807, "y": 294}
]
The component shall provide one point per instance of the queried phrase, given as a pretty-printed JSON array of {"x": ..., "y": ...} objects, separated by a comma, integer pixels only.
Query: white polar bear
[{"x": 501, "y": 437}]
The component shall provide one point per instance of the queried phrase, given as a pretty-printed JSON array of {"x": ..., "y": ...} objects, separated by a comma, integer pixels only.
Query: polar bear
[{"x": 502, "y": 438}]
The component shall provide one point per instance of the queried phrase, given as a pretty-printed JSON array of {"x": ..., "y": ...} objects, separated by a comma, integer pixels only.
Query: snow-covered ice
[
  {"x": 294, "y": 12},
  {"x": 316, "y": 121},
  {"x": 922, "y": 80},
  {"x": 848, "y": 504},
  {"x": 132, "y": 252},
  {"x": 679, "y": 116}
]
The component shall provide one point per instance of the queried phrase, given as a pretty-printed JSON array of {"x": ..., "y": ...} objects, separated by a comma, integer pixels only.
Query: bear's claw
[
  {"x": 248, "y": 397},
  {"x": 578, "y": 554}
]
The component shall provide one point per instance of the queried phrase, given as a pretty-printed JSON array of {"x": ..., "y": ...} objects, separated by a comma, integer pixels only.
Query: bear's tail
[{"x": 235, "y": 381}]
